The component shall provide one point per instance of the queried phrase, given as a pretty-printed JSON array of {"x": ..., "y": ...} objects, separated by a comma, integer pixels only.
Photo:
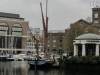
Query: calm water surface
[{"x": 22, "y": 68}]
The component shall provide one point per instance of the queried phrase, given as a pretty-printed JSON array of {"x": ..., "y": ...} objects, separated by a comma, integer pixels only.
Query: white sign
[{"x": 94, "y": 4}]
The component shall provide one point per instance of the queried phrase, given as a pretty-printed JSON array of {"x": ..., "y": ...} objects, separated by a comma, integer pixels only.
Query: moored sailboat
[{"x": 38, "y": 61}]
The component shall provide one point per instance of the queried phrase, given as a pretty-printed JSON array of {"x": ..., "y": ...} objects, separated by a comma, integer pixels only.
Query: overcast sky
[{"x": 61, "y": 13}]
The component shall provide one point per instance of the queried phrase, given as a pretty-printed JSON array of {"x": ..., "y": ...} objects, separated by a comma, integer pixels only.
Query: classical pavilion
[{"x": 87, "y": 44}]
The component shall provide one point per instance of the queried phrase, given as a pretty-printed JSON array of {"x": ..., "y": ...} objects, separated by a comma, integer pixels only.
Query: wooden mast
[{"x": 45, "y": 27}]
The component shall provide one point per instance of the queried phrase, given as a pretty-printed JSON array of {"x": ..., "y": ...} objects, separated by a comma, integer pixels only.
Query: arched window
[
  {"x": 17, "y": 36},
  {"x": 3, "y": 35},
  {"x": 17, "y": 30},
  {"x": 3, "y": 28}
]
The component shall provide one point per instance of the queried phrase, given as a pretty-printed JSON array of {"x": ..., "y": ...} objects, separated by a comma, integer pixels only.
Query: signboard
[{"x": 94, "y": 4}]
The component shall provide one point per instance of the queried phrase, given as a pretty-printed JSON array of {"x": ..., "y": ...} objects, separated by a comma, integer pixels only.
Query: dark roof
[
  {"x": 10, "y": 15},
  {"x": 84, "y": 21}
]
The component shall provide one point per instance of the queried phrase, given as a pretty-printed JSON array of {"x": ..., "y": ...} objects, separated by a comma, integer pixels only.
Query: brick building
[
  {"x": 56, "y": 40},
  {"x": 13, "y": 32}
]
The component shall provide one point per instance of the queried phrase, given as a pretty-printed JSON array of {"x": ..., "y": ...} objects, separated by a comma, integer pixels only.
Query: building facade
[
  {"x": 56, "y": 40},
  {"x": 38, "y": 34},
  {"x": 13, "y": 32}
]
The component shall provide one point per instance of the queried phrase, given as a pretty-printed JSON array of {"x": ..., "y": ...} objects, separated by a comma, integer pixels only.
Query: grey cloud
[{"x": 61, "y": 12}]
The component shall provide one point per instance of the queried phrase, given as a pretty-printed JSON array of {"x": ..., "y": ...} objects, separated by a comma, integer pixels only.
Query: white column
[
  {"x": 75, "y": 50},
  {"x": 97, "y": 50},
  {"x": 83, "y": 50}
]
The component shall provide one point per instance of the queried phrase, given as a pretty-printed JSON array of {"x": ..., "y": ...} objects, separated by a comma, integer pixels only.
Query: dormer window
[{"x": 81, "y": 23}]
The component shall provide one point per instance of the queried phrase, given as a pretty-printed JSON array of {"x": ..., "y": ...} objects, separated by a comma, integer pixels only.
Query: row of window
[
  {"x": 4, "y": 24},
  {"x": 13, "y": 33},
  {"x": 31, "y": 44},
  {"x": 54, "y": 37},
  {"x": 30, "y": 47},
  {"x": 16, "y": 29},
  {"x": 54, "y": 45},
  {"x": 11, "y": 19},
  {"x": 17, "y": 33},
  {"x": 3, "y": 32},
  {"x": 54, "y": 41},
  {"x": 16, "y": 25},
  {"x": 3, "y": 28}
]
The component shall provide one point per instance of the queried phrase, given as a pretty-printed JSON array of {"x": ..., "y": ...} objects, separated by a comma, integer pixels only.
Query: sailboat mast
[
  {"x": 46, "y": 35},
  {"x": 46, "y": 7},
  {"x": 45, "y": 26}
]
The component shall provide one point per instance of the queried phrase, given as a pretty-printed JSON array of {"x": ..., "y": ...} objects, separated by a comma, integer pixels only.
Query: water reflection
[
  {"x": 45, "y": 72},
  {"x": 13, "y": 68},
  {"x": 35, "y": 72},
  {"x": 75, "y": 70},
  {"x": 22, "y": 68}
]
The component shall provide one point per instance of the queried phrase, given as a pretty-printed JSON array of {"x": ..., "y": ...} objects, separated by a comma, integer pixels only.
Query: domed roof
[{"x": 88, "y": 36}]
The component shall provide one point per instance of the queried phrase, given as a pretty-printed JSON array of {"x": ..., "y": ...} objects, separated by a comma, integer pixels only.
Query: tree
[
  {"x": 71, "y": 34},
  {"x": 75, "y": 31},
  {"x": 91, "y": 29}
]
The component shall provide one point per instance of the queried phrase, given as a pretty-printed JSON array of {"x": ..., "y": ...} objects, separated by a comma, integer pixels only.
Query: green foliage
[
  {"x": 81, "y": 60},
  {"x": 60, "y": 60},
  {"x": 71, "y": 60},
  {"x": 85, "y": 59},
  {"x": 76, "y": 30},
  {"x": 94, "y": 60}
]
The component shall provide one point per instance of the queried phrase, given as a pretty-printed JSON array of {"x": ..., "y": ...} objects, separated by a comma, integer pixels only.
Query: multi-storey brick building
[
  {"x": 56, "y": 40},
  {"x": 13, "y": 32}
]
